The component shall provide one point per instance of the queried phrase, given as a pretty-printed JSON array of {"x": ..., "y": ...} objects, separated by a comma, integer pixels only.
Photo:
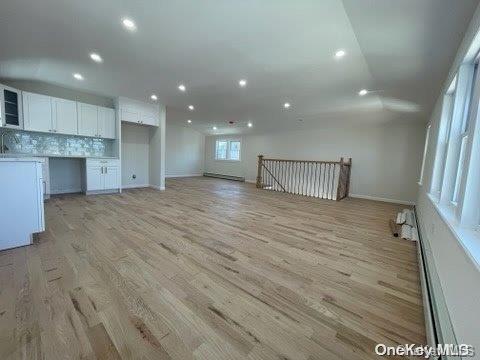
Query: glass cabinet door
[{"x": 11, "y": 108}]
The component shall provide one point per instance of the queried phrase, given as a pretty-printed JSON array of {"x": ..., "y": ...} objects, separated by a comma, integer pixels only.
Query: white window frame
[
  {"x": 425, "y": 150},
  {"x": 443, "y": 141},
  {"x": 457, "y": 171},
  {"x": 227, "y": 157}
]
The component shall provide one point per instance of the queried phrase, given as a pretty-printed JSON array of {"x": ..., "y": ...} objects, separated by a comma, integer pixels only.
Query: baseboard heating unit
[
  {"x": 438, "y": 326},
  {"x": 227, "y": 177}
]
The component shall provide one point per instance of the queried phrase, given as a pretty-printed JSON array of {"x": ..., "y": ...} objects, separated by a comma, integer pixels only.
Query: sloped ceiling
[{"x": 399, "y": 49}]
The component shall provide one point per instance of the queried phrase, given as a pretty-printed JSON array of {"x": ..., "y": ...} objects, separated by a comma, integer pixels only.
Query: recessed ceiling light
[
  {"x": 363, "y": 92},
  {"x": 286, "y": 105},
  {"x": 95, "y": 57},
  {"x": 78, "y": 76},
  {"x": 214, "y": 128},
  {"x": 191, "y": 107},
  {"x": 340, "y": 54},
  {"x": 182, "y": 87},
  {"x": 242, "y": 83},
  {"x": 189, "y": 121},
  {"x": 250, "y": 124},
  {"x": 129, "y": 24},
  {"x": 154, "y": 97}
]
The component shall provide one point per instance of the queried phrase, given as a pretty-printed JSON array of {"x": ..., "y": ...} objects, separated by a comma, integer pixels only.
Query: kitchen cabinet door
[
  {"x": 87, "y": 119},
  {"x": 130, "y": 115},
  {"x": 111, "y": 178},
  {"x": 64, "y": 116},
  {"x": 148, "y": 119},
  {"x": 95, "y": 178},
  {"x": 11, "y": 110},
  {"x": 106, "y": 123},
  {"x": 37, "y": 112}
]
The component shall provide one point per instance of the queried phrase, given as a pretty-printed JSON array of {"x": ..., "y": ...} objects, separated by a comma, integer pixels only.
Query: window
[
  {"x": 455, "y": 185},
  {"x": 227, "y": 150},
  {"x": 221, "y": 150},
  {"x": 234, "y": 150},
  {"x": 442, "y": 141},
  {"x": 425, "y": 149},
  {"x": 461, "y": 165}
]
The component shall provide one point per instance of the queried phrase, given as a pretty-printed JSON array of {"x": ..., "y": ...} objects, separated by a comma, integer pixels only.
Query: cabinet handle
[{"x": 106, "y": 170}]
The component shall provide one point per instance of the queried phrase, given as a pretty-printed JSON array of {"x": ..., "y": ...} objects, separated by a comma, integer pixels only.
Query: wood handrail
[
  {"x": 310, "y": 161},
  {"x": 318, "y": 178}
]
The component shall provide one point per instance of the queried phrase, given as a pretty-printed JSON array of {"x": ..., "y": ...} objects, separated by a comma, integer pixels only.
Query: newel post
[
  {"x": 259, "y": 171},
  {"x": 340, "y": 181}
]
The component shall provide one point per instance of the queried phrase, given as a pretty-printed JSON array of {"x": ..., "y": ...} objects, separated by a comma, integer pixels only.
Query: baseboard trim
[
  {"x": 183, "y": 175},
  {"x": 375, "y": 198},
  {"x": 102, "y": 192},
  {"x": 156, "y": 187},
  {"x": 134, "y": 186},
  {"x": 66, "y": 191},
  {"x": 223, "y": 176}
]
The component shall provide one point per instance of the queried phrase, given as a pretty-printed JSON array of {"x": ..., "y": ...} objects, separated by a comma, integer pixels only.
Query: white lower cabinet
[
  {"x": 102, "y": 175},
  {"x": 22, "y": 212}
]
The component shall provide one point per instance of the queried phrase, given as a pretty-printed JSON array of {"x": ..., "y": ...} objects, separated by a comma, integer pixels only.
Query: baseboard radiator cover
[
  {"x": 222, "y": 176},
  {"x": 438, "y": 326}
]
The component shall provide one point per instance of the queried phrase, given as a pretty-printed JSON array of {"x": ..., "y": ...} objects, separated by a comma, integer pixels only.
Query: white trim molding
[
  {"x": 376, "y": 198},
  {"x": 134, "y": 186},
  {"x": 183, "y": 175}
]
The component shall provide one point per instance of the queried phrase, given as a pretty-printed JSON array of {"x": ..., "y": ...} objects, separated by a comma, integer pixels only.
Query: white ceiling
[{"x": 401, "y": 49}]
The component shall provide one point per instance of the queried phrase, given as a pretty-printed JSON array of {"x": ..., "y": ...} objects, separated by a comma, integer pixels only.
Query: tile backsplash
[{"x": 26, "y": 142}]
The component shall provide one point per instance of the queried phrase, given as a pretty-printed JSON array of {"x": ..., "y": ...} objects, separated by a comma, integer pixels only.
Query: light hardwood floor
[{"x": 209, "y": 269}]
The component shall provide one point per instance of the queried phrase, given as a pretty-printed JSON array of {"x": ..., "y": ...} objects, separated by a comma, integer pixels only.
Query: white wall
[
  {"x": 225, "y": 167},
  {"x": 66, "y": 175},
  {"x": 185, "y": 151},
  {"x": 459, "y": 276},
  {"x": 157, "y": 151},
  {"x": 135, "y": 155},
  {"x": 386, "y": 157}
]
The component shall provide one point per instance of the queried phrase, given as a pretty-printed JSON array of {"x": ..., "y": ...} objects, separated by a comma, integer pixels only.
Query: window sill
[
  {"x": 468, "y": 238},
  {"x": 228, "y": 160}
]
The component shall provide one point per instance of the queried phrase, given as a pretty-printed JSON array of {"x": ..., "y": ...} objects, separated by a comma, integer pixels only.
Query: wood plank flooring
[{"x": 209, "y": 269}]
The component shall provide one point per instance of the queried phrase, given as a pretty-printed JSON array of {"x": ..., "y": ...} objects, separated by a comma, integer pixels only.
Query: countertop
[
  {"x": 19, "y": 159},
  {"x": 20, "y": 155}
]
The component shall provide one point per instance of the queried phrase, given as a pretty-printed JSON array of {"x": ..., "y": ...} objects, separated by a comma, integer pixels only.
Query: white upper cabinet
[
  {"x": 149, "y": 119},
  {"x": 49, "y": 114},
  {"x": 138, "y": 112},
  {"x": 11, "y": 111},
  {"x": 87, "y": 119},
  {"x": 106, "y": 123},
  {"x": 130, "y": 115},
  {"x": 37, "y": 112},
  {"x": 96, "y": 121},
  {"x": 64, "y": 119}
]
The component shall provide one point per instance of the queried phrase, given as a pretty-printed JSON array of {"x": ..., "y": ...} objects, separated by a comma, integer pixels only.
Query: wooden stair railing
[{"x": 322, "y": 179}]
